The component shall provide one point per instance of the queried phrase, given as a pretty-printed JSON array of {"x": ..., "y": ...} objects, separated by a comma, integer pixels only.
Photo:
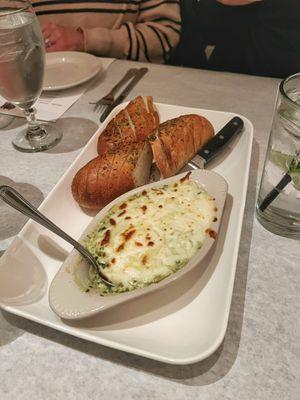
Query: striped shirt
[{"x": 140, "y": 30}]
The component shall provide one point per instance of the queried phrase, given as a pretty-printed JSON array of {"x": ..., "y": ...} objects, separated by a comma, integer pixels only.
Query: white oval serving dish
[{"x": 68, "y": 301}]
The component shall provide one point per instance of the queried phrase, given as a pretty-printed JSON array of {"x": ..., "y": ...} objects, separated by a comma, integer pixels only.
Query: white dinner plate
[
  {"x": 180, "y": 326},
  {"x": 65, "y": 69}
]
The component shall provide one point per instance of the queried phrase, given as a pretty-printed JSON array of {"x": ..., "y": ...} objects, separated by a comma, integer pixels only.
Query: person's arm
[
  {"x": 62, "y": 38},
  {"x": 152, "y": 38},
  {"x": 237, "y": 2}
]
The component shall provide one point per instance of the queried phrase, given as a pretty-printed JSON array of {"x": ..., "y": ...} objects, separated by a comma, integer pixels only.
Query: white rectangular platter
[{"x": 181, "y": 325}]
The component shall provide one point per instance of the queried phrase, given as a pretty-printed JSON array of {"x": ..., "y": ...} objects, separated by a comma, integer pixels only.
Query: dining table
[{"x": 259, "y": 357}]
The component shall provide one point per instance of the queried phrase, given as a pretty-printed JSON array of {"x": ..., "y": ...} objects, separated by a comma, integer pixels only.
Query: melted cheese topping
[{"x": 151, "y": 235}]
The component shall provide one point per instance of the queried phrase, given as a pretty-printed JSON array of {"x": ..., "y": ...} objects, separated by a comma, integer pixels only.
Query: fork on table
[{"x": 110, "y": 97}]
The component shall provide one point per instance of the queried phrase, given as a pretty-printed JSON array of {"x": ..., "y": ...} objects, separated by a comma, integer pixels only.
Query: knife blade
[
  {"x": 217, "y": 143},
  {"x": 137, "y": 77}
]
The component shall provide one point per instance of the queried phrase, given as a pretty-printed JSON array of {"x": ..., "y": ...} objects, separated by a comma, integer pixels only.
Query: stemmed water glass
[{"x": 22, "y": 64}]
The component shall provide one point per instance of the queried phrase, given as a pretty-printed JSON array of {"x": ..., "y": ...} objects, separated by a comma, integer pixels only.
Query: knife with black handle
[
  {"x": 137, "y": 77},
  {"x": 208, "y": 152}
]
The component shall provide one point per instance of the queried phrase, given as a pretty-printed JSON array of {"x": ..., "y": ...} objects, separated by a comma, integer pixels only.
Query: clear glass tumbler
[
  {"x": 278, "y": 202},
  {"x": 22, "y": 64}
]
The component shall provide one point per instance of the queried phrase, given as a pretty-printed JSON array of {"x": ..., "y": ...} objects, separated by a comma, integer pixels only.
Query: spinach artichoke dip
[{"x": 151, "y": 235}]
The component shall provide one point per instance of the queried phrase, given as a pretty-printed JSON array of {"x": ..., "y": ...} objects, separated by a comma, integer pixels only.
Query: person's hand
[
  {"x": 237, "y": 2},
  {"x": 61, "y": 38}
]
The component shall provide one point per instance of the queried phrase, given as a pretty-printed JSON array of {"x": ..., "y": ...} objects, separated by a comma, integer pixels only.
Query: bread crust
[
  {"x": 108, "y": 176},
  {"x": 160, "y": 154},
  {"x": 177, "y": 141},
  {"x": 134, "y": 123},
  {"x": 111, "y": 138},
  {"x": 89, "y": 180},
  {"x": 125, "y": 154}
]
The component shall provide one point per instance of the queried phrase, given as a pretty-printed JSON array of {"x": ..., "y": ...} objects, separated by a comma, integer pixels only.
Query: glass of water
[
  {"x": 22, "y": 64},
  {"x": 278, "y": 203}
]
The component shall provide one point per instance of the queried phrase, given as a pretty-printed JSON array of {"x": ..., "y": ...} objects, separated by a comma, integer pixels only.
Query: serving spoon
[{"x": 19, "y": 203}]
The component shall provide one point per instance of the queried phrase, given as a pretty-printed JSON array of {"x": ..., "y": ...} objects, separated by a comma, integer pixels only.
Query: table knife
[
  {"x": 218, "y": 142},
  {"x": 137, "y": 77}
]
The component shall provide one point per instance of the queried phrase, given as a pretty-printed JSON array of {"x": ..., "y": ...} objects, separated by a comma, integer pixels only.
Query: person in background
[
  {"x": 140, "y": 30},
  {"x": 257, "y": 37}
]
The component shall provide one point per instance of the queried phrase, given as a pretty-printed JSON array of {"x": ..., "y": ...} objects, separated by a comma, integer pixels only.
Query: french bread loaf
[
  {"x": 108, "y": 176},
  {"x": 132, "y": 124},
  {"x": 175, "y": 142}
]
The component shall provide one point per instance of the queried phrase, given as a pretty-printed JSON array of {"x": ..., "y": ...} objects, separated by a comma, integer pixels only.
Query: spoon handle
[{"x": 18, "y": 202}]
